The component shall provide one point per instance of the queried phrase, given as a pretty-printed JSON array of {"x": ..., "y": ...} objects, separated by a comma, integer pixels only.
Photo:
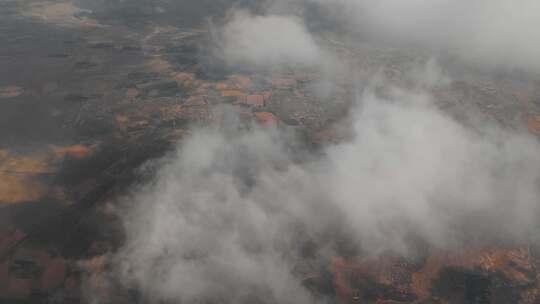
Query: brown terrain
[{"x": 86, "y": 98}]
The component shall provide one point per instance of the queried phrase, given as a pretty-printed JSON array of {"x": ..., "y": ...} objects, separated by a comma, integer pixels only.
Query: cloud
[
  {"x": 228, "y": 214},
  {"x": 412, "y": 168},
  {"x": 266, "y": 41},
  {"x": 204, "y": 231},
  {"x": 494, "y": 33}
]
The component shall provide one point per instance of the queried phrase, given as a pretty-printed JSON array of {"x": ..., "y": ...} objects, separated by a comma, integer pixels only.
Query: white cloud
[{"x": 267, "y": 41}]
